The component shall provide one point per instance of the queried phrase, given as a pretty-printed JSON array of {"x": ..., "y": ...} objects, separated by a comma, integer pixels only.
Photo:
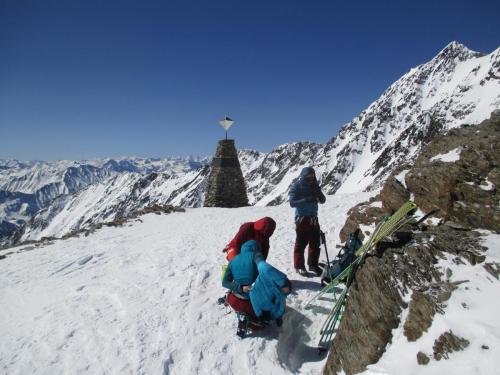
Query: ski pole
[{"x": 323, "y": 239}]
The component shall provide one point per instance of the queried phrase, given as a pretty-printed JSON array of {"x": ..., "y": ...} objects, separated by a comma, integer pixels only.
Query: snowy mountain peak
[
  {"x": 458, "y": 86},
  {"x": 455, "y": 50}
]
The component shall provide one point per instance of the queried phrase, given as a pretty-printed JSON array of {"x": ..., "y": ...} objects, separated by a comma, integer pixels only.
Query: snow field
[{"x": 141, "y": 299}]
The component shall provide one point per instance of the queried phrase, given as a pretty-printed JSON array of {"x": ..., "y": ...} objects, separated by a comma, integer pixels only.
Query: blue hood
[
  {"x": 305, "y": 171},
  {"x": 300, "y": 195}
]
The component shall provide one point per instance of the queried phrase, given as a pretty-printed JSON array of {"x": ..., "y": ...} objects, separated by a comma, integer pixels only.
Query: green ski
[{"x": 385, "y": 228}]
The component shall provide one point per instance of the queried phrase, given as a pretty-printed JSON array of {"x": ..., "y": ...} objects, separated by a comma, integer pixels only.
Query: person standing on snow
[
  {"x": 260, "y": 231},
  {"x": 304, "y": 196}
]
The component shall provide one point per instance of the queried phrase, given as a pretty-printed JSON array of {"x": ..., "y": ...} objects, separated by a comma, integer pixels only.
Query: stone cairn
[{"x": 226, "y": 186}]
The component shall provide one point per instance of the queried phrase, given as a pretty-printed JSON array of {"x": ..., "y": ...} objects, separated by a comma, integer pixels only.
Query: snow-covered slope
[
  {"x": 115, "y": 198},
  {"x": 142, "y": 299},
  {"x": 38, "y": 191}
]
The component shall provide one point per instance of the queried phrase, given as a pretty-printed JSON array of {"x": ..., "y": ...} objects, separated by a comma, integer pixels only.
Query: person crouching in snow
[
  {"x": 240, "y": 274},
  {"x": 257, "y": 289},
  {"x": 260, "y": 231},
  {"x": 304, "y": 196}
]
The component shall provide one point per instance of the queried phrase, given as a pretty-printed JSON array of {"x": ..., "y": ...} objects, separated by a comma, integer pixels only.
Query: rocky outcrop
[
  {"x": 456, "y": 174},
  {"x": 375, "y": 302},
  {"x": 394, "y": 194},
  {"x": 422, "y": 358},
  {"x": 466, "y": 189},
  {"x": 372, "y": 311},
  {"x": 448, "y": 343},
  {"x": 422, "y": 310},
  {"x": 362, "y": 214}
]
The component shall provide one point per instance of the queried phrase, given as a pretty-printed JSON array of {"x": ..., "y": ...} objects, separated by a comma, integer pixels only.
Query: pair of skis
[
  {"x": 337, "y": 311},
  {"x": 388, "y": 226}
]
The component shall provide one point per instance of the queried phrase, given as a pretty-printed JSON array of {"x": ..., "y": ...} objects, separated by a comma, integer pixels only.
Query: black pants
[{"x": 308, "y": 232}]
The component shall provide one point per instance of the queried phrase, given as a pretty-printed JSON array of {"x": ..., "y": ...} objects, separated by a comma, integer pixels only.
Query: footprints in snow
[
  {"x": 84, "y": 260},
  {"x": 167, "y": 364},
  {"x": 79, "y": 263}
]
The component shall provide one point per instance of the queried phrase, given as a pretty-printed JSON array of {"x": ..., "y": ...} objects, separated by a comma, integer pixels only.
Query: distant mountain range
[
  {"x": 38, "y": 191},
  {"x": 458, "y": 86}
]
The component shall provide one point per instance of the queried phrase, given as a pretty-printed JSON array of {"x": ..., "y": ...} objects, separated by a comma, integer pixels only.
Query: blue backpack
[{"x": 343, "y": 259}]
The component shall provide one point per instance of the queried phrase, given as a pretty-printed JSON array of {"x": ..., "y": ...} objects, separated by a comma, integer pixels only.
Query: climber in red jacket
[{"x": 259, "y": 231}]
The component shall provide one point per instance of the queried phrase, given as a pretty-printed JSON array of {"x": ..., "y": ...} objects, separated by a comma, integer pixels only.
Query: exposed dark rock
[
  {"x": 448, "y": 343},
  {"x": 391, "y": 197},
  {"x": 466, "y": 189},
  {"x": 363, "y": 213},
  {"x": 424, "y": 304},
  {"x": 422, "y": 358},
  {"x": 393, "y": 194},
  {"x": 446, "y": 186},
  {"x": 374, "y": 305},
  {"x": 422, "y": 310},
  {"x": 372, "y": 311},
  {"x": 493, "y": 268}
]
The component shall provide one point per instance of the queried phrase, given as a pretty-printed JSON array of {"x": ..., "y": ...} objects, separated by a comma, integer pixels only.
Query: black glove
[
  {"x": 320, "y": 197},
  {"x": 288, "y": 284}
]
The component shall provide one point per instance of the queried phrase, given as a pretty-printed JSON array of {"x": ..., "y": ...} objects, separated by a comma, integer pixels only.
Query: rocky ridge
[{"x": 457, "y": 174}]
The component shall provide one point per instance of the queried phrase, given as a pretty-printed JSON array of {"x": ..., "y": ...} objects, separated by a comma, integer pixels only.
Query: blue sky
[{"x": 86, "y": 79}]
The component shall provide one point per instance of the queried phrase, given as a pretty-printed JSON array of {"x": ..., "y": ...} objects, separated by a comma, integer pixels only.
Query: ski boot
[{"x": 242, "y": 329}]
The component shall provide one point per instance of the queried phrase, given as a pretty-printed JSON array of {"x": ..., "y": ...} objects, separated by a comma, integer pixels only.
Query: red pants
[
  {"x": 240, "y": 305},
  {"x": 308, "y": 232}
]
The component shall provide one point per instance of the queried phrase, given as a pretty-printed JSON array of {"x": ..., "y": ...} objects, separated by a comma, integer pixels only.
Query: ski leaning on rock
[{"x": 388, "y": 226}]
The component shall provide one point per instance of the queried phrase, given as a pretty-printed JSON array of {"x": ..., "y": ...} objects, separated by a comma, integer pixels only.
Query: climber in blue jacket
[
  {"x": 304, "y": 196},
  {"x": 240, "y": 274},
  {"x": 256, "y": 288},
  {"x": 242, "y": 270}
]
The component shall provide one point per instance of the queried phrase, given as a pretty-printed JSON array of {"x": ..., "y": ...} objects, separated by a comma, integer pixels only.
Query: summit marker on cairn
[{"x": 226, "y": 185}]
